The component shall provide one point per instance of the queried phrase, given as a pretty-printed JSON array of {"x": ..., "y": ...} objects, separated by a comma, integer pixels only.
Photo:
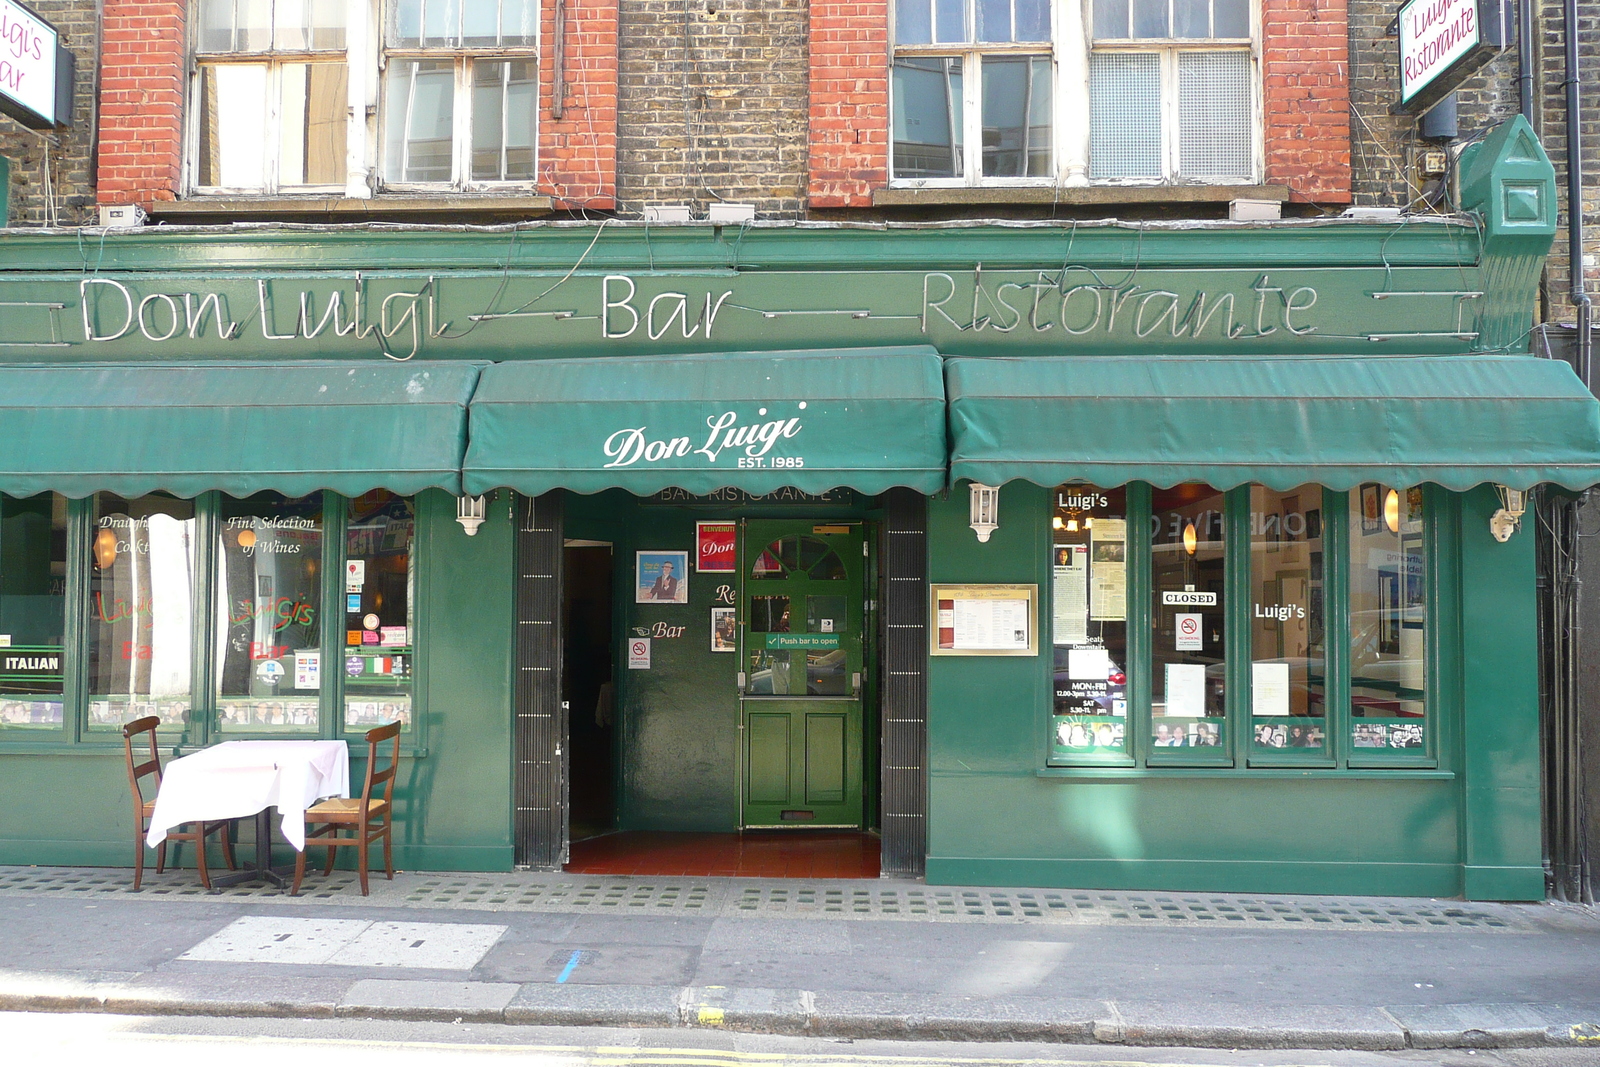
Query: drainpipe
[
  {"x": 1580, "y": 297},
  {"x": 1525, "y": 57}
]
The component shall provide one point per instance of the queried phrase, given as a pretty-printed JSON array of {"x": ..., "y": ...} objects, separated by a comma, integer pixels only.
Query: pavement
[{"x": 866, "y": 960}]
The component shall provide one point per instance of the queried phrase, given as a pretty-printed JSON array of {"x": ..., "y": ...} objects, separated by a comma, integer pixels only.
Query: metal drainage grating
[{"x": 715, "y": 897}]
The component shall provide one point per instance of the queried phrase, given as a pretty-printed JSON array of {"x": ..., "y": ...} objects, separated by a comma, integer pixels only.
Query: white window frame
[
  {"x": 464, "y": 56},
  {"x": 1071, "y": 45},
  {"x": 365, "y": 57}
]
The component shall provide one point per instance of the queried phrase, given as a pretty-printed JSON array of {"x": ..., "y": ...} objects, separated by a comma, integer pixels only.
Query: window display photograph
[{"x": 1089, "y": 628}]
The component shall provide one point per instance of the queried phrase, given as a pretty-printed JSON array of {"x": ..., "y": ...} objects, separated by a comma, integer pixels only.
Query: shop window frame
[
  {"x": 201, "y": 729},
  {"x": 1236, "y": 757}
]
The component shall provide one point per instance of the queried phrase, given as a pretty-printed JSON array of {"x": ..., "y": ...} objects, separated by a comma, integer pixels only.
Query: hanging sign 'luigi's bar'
[{"x": 35, "y": 70}]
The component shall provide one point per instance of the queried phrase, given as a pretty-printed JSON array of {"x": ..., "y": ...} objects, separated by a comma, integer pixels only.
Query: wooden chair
[
  {"x": 143, "y": 809},
  {"x": 368, "y": 816}
]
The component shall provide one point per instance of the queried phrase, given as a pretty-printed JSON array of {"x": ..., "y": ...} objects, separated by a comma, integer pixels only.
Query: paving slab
[
  {"x": 1206, "y": 1024},
  {"x": 546, "y": 1004},
  {"x": 424, "y": 1000}
]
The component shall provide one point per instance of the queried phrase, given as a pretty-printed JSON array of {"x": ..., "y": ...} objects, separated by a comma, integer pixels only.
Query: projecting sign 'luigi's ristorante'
[{"x": 1115, "y": 555}]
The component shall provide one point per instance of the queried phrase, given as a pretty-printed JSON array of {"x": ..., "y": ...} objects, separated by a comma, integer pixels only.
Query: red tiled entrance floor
[{"x": 752, "y": 854}]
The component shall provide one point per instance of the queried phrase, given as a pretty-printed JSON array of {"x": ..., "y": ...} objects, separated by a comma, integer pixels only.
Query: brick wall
[
  {"x": 849, "y": 119},
  {"x": 69, "y": 152},
  {"x": 1306, "y": 97},
  {"x": 712, "y": 104},
  {"x": 578, "y": 152},
  {"x": 141, "y": 101},
  {"x": 1552, "y": 127}
]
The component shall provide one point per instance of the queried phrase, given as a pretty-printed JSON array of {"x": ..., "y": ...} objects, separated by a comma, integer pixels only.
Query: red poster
[{"x": 714, "y": 547}]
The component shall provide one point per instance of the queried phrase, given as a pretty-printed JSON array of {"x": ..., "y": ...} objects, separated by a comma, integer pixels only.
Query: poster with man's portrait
[{"x": 661, "y": 578}]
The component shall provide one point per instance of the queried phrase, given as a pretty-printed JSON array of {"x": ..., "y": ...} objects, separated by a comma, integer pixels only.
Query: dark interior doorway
[{"x": 587, "y": 687}]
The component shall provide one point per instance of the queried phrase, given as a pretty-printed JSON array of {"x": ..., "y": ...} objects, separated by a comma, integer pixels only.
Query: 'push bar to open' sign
[{"x": 35, "y": 71}]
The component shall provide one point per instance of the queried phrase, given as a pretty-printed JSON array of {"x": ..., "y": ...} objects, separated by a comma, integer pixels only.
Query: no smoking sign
[{"x": 1188, "y": 631}]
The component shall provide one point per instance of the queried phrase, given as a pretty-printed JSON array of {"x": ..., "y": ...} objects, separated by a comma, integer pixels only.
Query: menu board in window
[{"x": 984, "y": 620}]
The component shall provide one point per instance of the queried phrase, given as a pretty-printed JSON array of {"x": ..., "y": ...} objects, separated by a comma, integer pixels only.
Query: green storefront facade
[{"x": 1232, "y": 619}]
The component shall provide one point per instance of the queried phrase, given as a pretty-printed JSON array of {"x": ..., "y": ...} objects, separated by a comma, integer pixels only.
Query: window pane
[
  {"x": 1230, "y": 18},
  {"x": 1125, "y": 115},
  {"x": 519, "y": 22},
  {"x": 1016, "y": 117},
  {"x": 1189, "y": 681},
  {"x": 1110, "y": 19},
  {"x": 405, "y": 23},
  {"x": 994, "y": 20},
  {"x": 216, "y": 26},
  {"x": 327, "y": 23},
  {"x": 33, "y": 599},
  {"x": 1191, "y": 18},
  {"x": 950, "y": 21},
  {"x": 1388, "y": 617},
  {"x": 1214, "y": 115},
  {"x": 233, "y": 125},
  {"x": 441, "y": 22},
  {"x": 254, "y": 22},
  {"x": 268, "y": 658},
  {"x": 420, "y": 96},
  {"x": 1288, "y": 698},
  {"x": 1089, "y": 620},
  {"x": 1032, "y": 20},
  {"x": 380, "y": 628},
  {"x": 141, "y": 609},
  {"x": 1150, "y": 18},
  {"x": 480, "y": 24},
  {"x": 913, "y": 22},
  {"x": 927, "y": 118},
  {"x": 769, "y": 614},
  {"x": 291, "y": 28},
  {"x": 314, "y": 116},
  {"x": 504, "y": 101}
]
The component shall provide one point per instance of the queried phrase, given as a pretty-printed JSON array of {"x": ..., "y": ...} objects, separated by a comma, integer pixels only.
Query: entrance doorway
[
  {"x": 588, "y": 687},
  {"x": 803, "y": 645}
]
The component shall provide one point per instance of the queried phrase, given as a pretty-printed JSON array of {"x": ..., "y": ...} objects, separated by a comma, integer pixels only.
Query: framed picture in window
[
  {"x": 1371, "y": 508},
  {"x": 1413, "y": 606}
]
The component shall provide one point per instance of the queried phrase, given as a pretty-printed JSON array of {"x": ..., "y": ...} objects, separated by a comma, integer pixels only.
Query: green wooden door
[{"x": 801, "y": 615}]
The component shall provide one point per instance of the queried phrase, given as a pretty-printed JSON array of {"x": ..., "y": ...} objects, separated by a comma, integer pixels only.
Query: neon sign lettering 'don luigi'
[{"x": 626, "y": 447}]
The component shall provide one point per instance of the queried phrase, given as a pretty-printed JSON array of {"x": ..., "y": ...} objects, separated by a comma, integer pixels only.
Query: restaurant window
[
  {"x": 1288, "y": 657},
  {"x": 1089, "y": 623},
  {"x": 272, "y": 95},
  {"x": 1252, "y": 627},
  {"x": 380, "y": 629},
  {"x": 33, "y": 597},
  {"x": 460, "y": 91},
  {"x": 1188, "y": 622},
  {"x": 1388, "y": 621},
  {"x": 268, "y": 656},
  {"x": 142, "y": 583}
]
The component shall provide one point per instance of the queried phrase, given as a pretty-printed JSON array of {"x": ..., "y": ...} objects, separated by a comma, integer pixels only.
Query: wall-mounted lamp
[
  {"x": 105, "y": 549},
  {"x": 985, "y": 512},
  {"x": 1391, "y": 511},
  {"x": 1506, "y": 521},
  {"x": 1190, "y": 540},
  {"x": 470, "y": 513}
]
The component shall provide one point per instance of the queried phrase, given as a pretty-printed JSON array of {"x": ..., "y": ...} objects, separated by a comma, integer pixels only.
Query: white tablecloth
[{"x": 236, "y": 779}]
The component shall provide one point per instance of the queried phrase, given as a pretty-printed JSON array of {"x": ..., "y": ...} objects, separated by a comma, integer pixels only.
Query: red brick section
[
  {"x": 578, "y": 152},
  {"x": 141, "y": 101},
  {"x": 849, "y": 138},
  {"x": 1305, "y": 60}
]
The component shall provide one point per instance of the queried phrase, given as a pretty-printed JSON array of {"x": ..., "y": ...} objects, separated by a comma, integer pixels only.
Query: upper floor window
[
  {"x": 281, "y": 95},
  {"x": 1034, "y": 92},
  {"x": 271, "y": 95}
]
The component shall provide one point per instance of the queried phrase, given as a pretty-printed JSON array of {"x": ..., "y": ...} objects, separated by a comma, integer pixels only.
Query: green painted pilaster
[{"x": 1500, "y": 708}]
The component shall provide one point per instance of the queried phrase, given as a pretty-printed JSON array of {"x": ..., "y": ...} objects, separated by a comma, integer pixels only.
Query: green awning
[
  {"x": 238, "y": 427},
  {"x": 865, "y": 419},
  {"x": 1281, "y": 421}
]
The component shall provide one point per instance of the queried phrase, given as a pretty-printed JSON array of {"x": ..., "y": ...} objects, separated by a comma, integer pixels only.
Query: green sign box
[{"x": 802, "y": 640}]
